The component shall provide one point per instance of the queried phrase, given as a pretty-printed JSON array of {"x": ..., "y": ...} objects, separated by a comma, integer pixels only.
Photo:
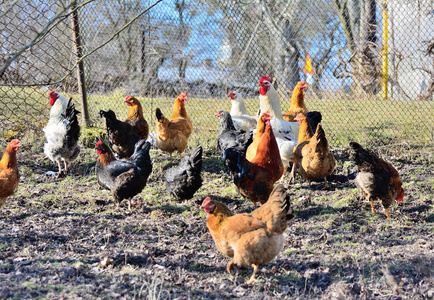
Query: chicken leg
[
  {"x": 372, "y": 204},
  {"x": 326, "y": 187},
  {"x": 59, "y": 164},
  {"x": 387, "y": 213},
  {"x": 292, "y": 174},
  {"x": 253, "y": 279},
  {"x": 230, "y": 266}
]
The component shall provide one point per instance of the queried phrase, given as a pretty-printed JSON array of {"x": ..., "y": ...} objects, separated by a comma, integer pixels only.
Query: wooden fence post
[{"x": 81, "y": 82}]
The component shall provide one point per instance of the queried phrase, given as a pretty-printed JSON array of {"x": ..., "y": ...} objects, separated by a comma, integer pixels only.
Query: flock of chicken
[{"x": 257, "y": 151}]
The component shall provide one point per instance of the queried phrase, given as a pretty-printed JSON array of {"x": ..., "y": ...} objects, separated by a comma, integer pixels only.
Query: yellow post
[{"x": 385, "y": 51}]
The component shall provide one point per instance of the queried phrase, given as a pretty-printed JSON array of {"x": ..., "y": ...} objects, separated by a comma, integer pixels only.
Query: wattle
[{"x": 263, "y": 90}]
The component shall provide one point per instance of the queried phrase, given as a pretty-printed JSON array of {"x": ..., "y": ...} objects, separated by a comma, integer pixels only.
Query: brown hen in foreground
[
  {"x": 376, "y": 178},
  {"x": 9, "y": 175},
  {"x": 250, "y": 239}
]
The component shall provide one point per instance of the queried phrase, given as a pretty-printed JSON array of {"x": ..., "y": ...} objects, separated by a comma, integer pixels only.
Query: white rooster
[
  {"x": 240, "y": 116},
  {"x": 269, "y": 101},
  {"x": 286, "y": 133},
  {"x": 62, "y": 132}
]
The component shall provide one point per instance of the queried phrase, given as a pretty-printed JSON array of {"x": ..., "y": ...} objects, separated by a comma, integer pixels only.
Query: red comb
[
  {"x": 263, "y": 78},
  {"x": 51, "y": 93},
  {"x": 98, "y": 144}
]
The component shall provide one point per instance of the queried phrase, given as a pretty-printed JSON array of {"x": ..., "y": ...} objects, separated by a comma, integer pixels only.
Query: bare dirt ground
[{"x": 66, "y": 238}]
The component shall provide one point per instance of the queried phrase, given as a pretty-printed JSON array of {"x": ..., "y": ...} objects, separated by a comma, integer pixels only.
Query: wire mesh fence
[{"x": 372, "y": 61}]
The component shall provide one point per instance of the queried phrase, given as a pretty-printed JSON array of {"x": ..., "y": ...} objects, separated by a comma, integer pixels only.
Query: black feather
[
  {"x": 121, "y": 135},
  {"x": 183, "y": 180},
  {"x": 126, "y": 178},
  {"x": 229, "y": 137},
  {"x": 72, "y": 126},
  {"x": 314, "y": 118}
]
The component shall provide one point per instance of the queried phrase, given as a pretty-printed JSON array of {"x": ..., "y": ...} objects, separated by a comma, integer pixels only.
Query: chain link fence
[{"x": 373, "y": 61}]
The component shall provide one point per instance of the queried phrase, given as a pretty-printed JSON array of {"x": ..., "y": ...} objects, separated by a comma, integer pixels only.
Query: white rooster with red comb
[{"x": 62, "y": 132}]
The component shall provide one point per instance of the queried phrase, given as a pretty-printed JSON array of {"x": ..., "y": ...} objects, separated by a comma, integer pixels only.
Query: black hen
[
  {"x": 124, "y": 178},
  {"x": 121, "y": 135},
  {"x": 314, "y": 118},
  {"x": 229, "y": 137},
  {"x": 183, "y": 180}
]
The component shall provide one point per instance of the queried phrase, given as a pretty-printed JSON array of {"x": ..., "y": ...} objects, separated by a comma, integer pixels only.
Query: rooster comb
[
  {"x": 52, "y": 93},
  {"x": 99, "y": 143},
  {"x": 265, "y": 78}
]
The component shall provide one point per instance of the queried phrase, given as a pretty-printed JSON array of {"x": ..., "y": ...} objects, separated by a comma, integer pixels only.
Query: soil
[{"x": 67, "y": 238}]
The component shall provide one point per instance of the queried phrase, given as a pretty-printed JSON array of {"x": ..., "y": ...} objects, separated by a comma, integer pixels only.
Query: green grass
[{"x": 368, "y": 121}]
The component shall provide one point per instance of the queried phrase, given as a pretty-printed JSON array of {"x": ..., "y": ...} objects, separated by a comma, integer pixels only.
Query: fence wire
[{"x": 373, "y": 61}]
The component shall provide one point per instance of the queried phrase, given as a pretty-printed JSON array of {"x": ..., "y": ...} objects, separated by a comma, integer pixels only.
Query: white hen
[
  {"x": 240, "y": 116},
  {"x": 286, "y": 133}
]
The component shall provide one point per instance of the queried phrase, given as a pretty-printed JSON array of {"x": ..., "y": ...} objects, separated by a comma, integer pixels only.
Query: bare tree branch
[
  {"x": 50, "y": 26},
  {"x": 59, "y": 17}
]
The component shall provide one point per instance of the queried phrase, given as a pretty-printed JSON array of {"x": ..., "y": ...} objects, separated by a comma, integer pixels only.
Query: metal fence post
[{"x": 80, "y": 68}]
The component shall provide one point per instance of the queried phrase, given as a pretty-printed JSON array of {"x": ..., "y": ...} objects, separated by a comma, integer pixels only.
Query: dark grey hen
[
  {"x": 229, "y": 137},
  {"x": 183, "y": 180}
]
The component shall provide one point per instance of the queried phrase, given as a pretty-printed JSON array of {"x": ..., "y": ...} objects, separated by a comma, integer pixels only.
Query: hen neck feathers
[
  {"x": 135, "y": 112},
  {"x": 270, "y": 102},
  {"x": 9, "y": 159},
  {"x": 238, "y": 107},
  {"x": 106, "y": 158}
]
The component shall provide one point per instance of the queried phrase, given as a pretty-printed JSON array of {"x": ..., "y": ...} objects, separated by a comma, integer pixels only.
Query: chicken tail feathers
[
  {"x": 109, "y": 116},
  {"x": 196, "y": 158},
  {"x": 321, "y": 141},
  {"x": 277, "y": 210},
  {"x": 314, "y": 118},
  {"x": 141, "y": 156},
  {"x": 232, "y": 159},
  {"x": 362, "y": 157},
  {"x": 71, "y": 124},
  {"x": 159, "y": 114}
]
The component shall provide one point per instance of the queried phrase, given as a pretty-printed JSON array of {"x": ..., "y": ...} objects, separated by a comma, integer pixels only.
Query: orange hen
[
  {"x": 9, "y": 175},
  {"x": 297, "y": 103},
  {"x": 312, "y": 153},
  {"x": 260, "y": 129},
  {"x": 179, "y": 113},
  {"x": 250, "y": 239}
]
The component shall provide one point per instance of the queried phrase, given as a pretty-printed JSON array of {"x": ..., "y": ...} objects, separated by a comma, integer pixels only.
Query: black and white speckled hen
[
  {"x": 124, "y": 178},
  {"x": 62, "y": 132},
  {"x": 183, "y": 180}
]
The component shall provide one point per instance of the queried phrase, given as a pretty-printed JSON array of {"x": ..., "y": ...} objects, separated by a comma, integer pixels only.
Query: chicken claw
[{"x": 253, "y": 279}]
